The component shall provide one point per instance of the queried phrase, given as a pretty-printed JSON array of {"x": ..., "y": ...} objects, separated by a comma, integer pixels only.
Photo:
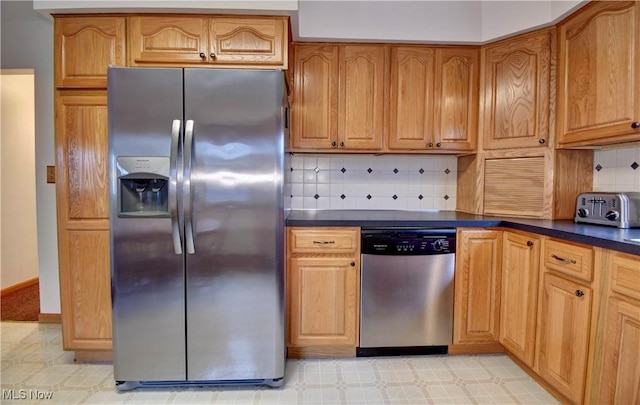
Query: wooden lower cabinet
[
  {"x": 563, "y": 335},
  {"x": 476, "y": 313},
  {"x": 615, "y": 378},
  {"x": 323, "y": 292},
  {"x": 85, "y": 289},
  {"x": 518, "y": 301}
]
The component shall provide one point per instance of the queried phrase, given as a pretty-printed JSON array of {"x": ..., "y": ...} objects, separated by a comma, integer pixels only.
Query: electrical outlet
[{"x": 51, "y": 174}]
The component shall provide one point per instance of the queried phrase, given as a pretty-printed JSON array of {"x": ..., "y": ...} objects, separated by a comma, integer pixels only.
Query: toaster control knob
[
  {"x": 612, "y": 215},
  {"x": 583, "y": 212}
]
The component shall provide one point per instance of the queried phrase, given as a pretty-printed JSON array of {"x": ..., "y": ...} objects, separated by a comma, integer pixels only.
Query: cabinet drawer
[
  {"x": 625, "y": 274},
  {"x": 569, "y": 259},
  {"x": 324, "y": 240}
]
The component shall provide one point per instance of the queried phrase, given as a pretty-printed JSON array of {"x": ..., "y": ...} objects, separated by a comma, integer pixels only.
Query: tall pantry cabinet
[{"x": 84, "y": 47}]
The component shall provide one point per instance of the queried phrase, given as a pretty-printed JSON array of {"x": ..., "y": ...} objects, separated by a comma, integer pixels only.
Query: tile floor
[{"x": 33, "y": 361}]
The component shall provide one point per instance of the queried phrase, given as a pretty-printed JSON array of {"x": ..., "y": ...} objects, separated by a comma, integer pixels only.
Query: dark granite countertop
[{"x": 594, "y": 235}]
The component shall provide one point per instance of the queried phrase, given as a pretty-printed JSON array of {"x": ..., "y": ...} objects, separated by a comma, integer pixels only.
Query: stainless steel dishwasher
[{"x": 406, "y": 291}]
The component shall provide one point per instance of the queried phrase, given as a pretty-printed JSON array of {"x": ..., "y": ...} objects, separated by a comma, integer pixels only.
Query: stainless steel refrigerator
[{"x": 197, "y": 225}]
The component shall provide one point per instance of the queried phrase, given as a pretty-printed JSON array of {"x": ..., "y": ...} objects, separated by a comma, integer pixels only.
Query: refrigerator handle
[
  {"x": 188, "y": 205},
  {"x": 173, "y": 186}
]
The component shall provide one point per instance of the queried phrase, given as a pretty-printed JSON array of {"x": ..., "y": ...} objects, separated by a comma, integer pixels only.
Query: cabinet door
[
  {"x": 563, "y": 335},
  {"x": 617, "y": 369},
  {"x": 477, "y": 286},
  {"x": 315, "y": 106},
  {"x": 84, "y": 47},
  {"x": 455, "y": 114},
  {"x": 323, "y": 301},
  {"x": 411, "y": 98},
  {"x": 516, "y": 186},
  {"x": 85, "y": 289},
  {"x": 518, "y": 91},
  {"x": 599, "y": 74},
  {"x": 518, "y": 302},
  {"x": 83, "y": 219},
  {"x": 81, "y": 157},
  {"x": 621, "y": 368},
  {"x": 160, "y": 40},
  {"x": 361, "y": 100},
  {"x": 248, "y": 41}
]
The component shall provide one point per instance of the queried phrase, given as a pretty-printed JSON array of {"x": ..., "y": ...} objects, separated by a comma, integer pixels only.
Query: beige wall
[
  {"x": 18, "y": 236},
  {"x": 26, "y": 39}
]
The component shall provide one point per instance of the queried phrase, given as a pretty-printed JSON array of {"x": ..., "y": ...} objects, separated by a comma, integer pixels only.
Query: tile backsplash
[
  {"x": 617, "y": 169},
  {"x": 394, "y": 182}
]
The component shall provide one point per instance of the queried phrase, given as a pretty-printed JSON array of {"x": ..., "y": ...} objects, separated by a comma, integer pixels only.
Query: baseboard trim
[
  {"x": 19, "y": 286},
  {"x": 89, "y": 356},
  {"x": 50, "y": 318}
]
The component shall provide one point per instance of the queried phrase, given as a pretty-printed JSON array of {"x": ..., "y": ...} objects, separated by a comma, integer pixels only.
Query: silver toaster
[{"x": 609, "y": 208}]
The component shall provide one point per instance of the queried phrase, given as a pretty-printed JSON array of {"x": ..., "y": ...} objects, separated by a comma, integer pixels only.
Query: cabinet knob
[
  {"x": 579, "y": 293},
  {"x": 212, "y": 55},
  {"x": 635, "y": 125},
  {"x": 529, "y": 243},
  {"x": 431, "y": 144},
  {"x": 353, "y": 264},
  {"x": 541, "y": 141},
  {"x": 438, "y": 144},
  {"x": 203, "y": 55},
  {"x": 341, "y": 144},
  {"x": 333, "y": 144}
]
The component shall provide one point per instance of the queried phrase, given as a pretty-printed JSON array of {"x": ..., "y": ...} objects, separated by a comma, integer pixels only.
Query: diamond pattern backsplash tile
[
  {"x": 370, "y": 182},
  {"x": 617, "y": 169}
]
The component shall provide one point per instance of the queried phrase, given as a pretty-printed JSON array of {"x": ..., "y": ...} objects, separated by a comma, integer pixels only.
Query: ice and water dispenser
[{"x": 143, "y": 186}]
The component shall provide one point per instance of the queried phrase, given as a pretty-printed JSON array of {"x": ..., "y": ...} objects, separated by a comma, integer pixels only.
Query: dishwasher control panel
[{"x": 402, "y": 242}]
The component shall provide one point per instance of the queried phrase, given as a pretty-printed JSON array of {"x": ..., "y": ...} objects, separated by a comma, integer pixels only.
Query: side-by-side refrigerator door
[
  {"x": 145, "y": 124},
  {"x": 233, "y": 158}
]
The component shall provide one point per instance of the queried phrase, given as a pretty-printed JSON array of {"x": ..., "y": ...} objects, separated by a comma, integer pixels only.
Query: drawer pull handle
[
  {"x": 563, "y": 260},
  {"x": 579, "y": 293},
  {"x": 324, "y": 242},
  {"x": 353, "y": 264}
]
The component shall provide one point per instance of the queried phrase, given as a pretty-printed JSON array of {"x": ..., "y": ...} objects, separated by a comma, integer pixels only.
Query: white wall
[
  {"x": 427, "y": 21},
  {"x": 19, "y": 244},
  {"x": 26, "y": 39},
  {"x": 431, "y": 21}
]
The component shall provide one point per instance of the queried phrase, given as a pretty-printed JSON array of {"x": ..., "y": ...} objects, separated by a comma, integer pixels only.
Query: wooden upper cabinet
[
  {"x": 314, "y": 112},
  {"x": 361, "y": 97},
  {"x": 433, "y": 98},
  {"x": 411, "y": 98},
  {"x": 455, "y": 111},
  {"x": 338, "y": 101},
  {"x": 599, "y": 75},
  {"x": 84, "y": 47},
  {"x": 216, "y": 41},
  {"x": 518, "y": 89},
  {"x": 240, "y": 41},
  {"x": 158, "y": 39}
]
